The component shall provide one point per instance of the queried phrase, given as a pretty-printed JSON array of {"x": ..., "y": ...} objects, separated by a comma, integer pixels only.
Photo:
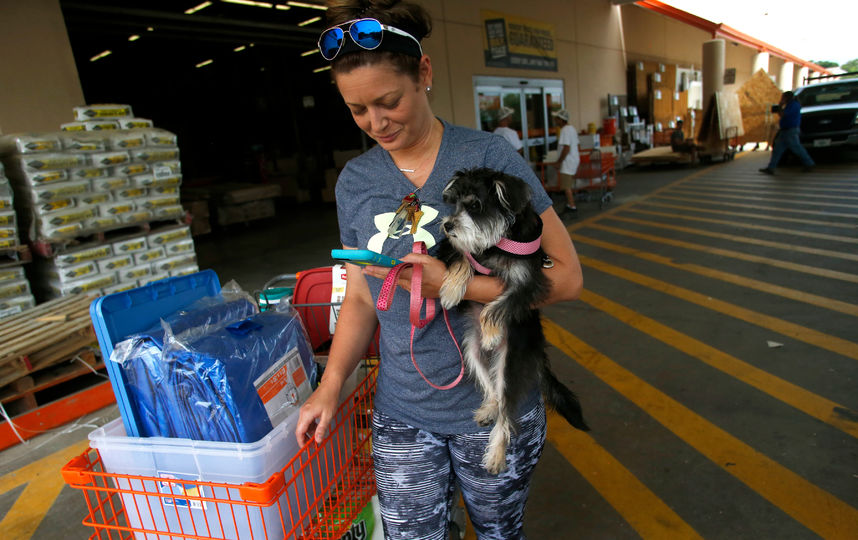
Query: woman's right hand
[{"x": 316, "y": 413}]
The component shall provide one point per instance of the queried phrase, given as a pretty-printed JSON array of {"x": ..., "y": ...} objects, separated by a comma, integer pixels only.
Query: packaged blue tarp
[
  {"x": 235, "y": 383},
  {"x": 217, "y": 371}
]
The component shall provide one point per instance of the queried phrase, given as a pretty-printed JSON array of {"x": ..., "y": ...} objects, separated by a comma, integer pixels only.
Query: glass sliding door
[{"x": 532, "y": 100}]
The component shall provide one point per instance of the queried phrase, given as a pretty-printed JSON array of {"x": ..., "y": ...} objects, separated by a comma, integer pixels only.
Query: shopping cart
[{"x": 316, "y": 495}]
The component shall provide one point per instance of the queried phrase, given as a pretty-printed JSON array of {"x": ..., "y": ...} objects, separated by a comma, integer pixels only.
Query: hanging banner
[{"x": 516, "y": 42}]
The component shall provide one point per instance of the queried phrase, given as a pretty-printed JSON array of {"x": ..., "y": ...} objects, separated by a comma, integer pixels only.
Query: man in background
[
  {"x": 503, "y": 129},
  {"x": 787, "y": 137},
  {"x": 568, "y": 160}
]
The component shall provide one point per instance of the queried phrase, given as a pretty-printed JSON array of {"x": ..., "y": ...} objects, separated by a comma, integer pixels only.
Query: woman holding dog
[{"x": 425, "y": 439}]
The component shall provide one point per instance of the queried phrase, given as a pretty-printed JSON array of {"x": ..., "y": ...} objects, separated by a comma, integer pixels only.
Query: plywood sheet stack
[{"x": 756, "y": 98}]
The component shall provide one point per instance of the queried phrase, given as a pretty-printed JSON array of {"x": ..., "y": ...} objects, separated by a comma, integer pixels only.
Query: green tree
[
  {"x": 825, "y": 63},
  {"x": 850, "y": 66}
]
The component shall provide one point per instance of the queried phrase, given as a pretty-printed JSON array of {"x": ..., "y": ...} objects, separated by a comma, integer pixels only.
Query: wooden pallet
[
  {"x": 28, "y": 392},
  {"x": 43, "y": 336}
]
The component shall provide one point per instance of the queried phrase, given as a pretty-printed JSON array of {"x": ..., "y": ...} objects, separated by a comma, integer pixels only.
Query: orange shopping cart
[{"x": 164, "y": 489}]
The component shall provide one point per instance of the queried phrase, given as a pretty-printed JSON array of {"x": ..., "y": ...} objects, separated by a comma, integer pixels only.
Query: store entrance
[{"x": 532, "y": 100}]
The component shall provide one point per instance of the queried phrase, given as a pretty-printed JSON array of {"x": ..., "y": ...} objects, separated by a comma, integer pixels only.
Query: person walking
[
  {"x": 567, "y": 160},
  {"x": 787, "y": 137}
]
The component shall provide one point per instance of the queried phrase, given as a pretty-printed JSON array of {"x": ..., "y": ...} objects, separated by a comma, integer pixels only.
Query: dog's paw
[
  {"x": 455, "y": 284},
  {"x": 491, "y": 333},
  {"x": 487, "y": 413},
  {"x": 494, "y": 459}
]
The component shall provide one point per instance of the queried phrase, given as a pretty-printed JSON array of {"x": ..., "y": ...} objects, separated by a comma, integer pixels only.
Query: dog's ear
[
  {"x": 449, "y": 193},
  {"x": 512, "y": 193}
]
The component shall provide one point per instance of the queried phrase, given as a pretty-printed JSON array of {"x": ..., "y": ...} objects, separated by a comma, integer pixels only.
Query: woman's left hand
[{"x": 433, "y": 274}]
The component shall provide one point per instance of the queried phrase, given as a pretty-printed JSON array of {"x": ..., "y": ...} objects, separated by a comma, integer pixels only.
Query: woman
[{"x": 424, "y": 438}]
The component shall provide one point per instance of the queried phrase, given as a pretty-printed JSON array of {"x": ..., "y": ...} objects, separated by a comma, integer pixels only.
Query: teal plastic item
[
  {"x": 118, "y": 316},
  {"x": 270, "y": 298}
]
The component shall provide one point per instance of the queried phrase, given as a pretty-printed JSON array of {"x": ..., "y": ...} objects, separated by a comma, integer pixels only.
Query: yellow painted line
[
  {"x": 761, "y": 207},
  {"x": 792, "y": 294},
  {"x": 648, "y": 515},
  {"x": 803, "y": 268},
  {"x": 830, "y": 412},
  {"x": 607, "y": 213},
  {"x": 755, "y": 185},
  {"x": 728, "y": 189},
  {"x": 739, "y": 225},
  {"x": 742, "y": 239},
  {"x": 813, "y": 507},
  {"x": 850, "y": 226},
  {"x": 685, "y": 190},
  {"x": 44, "y": 483},
  {"x": 828, "y": 342}
]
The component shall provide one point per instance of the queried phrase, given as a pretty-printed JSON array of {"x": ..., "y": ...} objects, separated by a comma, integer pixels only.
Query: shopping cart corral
[{"x": 160, "y": 488}]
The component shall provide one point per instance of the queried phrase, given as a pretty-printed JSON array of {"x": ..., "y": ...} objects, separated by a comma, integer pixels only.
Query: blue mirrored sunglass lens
[
  {"x": 366, "y": 33},
  {"x": 330, "y": 43}
]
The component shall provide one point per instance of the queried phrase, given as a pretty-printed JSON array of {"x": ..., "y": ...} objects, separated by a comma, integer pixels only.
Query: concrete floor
[{"x": 714, "y": 351}]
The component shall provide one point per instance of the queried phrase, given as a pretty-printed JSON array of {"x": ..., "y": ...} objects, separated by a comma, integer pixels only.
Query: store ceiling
[{"x": 168, "y": 33}]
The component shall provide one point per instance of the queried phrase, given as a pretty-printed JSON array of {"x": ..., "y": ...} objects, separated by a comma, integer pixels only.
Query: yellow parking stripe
[
  {"x": 792, "y": 294},
  {"x": 786, "y": 328},
  {"x": 754, "y": 185},
  {"x": 687, "y": 190},
  {"x": 815, "y": 508},
  {"x": 742, "y": 239},
  {"x": 44, "y": 484},
  {"x": 760, "y": 207},
  {"x": 803, "y": 268},
  {"x": 648, "y": 515},
  {"x": 850, "y": 226},
  {"x": 823, "y": 409},
  {"x": 739, "y": 225},
  {"x": 728, "y": 189}
]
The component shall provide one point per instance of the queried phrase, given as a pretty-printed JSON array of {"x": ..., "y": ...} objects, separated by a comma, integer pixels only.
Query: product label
[
  {"x": 180, "y": 489},
  {"x": 283, "y": 385},
  {"x": 338, "y": 293}
]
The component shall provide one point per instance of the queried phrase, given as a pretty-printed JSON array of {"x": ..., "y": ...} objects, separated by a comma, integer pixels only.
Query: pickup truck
[{"x": 829, "y": 113}]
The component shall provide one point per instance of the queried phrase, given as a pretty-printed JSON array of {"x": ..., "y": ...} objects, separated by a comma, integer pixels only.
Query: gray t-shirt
[{"x": 369, "y": 190}]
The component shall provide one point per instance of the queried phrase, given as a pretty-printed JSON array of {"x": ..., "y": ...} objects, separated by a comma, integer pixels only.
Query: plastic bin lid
[{"x": 117, "y": 316}]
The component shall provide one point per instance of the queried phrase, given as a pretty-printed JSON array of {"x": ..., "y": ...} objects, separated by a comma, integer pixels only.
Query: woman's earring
[{"x": 428, "y": 89}]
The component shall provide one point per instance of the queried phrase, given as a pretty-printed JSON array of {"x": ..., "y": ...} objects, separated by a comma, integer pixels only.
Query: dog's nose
[{"x": 448, "y": 226}]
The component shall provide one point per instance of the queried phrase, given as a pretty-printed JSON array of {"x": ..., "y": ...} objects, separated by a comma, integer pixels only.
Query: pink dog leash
[{"x": 385, "y": 299}]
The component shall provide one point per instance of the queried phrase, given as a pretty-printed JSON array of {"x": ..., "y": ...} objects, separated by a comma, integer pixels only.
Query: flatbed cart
[{"x": 316, "y": 495}]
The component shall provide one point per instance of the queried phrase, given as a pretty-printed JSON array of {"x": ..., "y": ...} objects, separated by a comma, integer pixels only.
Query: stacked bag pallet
[
  {"x": 106, "y": 171},
  {"x": 15, "y": 295},
  {"x": 120, "y": 265}
]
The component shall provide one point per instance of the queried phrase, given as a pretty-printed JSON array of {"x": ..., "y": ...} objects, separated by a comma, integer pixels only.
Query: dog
[{"x": 494, "y": 229}]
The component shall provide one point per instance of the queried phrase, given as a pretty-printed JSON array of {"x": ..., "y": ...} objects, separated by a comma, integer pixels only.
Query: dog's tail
[{"x": 558, "y": 396}]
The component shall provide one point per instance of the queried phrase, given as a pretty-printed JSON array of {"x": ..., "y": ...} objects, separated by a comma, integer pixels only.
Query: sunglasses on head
[{"x": 365, "y": 33}]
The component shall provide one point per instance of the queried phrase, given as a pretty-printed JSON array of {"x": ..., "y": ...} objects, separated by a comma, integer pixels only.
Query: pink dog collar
[{"x": 510, "y": 246}]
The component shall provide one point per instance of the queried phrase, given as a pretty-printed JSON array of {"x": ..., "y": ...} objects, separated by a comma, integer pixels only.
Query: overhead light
[
  {"x": 250, "y": 3},
  {"x": 321, "y": 69},
  {"x": 308, "y": 53},
  {"x": 240, "y": 48},
  {"x": 150, "y": 29},
  {"x": 308, "y": 6},
  {"x": 194, "y": 9},
  {"x": 251, "y": 44},
  {"x": 309, "y": 21},
  {"x": 135, "y": 37},
  {"x": 100, "y": 55},
  {"x": 205, "y": 63},
  {"x": 282, "y": 7}
]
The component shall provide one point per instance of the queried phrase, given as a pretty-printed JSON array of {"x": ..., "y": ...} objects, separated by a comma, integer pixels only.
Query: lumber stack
[
  {"x": 756, "y": 98},
  {"x": 44, "y": 336}
]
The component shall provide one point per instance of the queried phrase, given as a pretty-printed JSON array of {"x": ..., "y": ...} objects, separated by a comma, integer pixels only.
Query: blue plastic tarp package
[
  {"x": 148, "y": 376},
  {"x": 235, "y": 383}
]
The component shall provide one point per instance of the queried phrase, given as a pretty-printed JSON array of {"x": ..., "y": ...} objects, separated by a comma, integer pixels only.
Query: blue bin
[{"x": 118, "y": 316}]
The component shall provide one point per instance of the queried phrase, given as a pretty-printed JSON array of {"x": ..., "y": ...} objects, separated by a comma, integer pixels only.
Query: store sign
[{"x": 515, "y": 42}]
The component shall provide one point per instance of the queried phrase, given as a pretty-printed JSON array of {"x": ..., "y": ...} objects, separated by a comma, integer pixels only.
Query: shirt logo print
[{"x": 382, "y": 222}]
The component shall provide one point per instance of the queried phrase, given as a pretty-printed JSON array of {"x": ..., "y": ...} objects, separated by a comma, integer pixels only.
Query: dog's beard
[{"x": 474, "y": 236}]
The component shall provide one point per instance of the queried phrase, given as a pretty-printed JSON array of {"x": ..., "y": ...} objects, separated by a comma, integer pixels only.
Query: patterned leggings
[{"x": 416, "y": 472}]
